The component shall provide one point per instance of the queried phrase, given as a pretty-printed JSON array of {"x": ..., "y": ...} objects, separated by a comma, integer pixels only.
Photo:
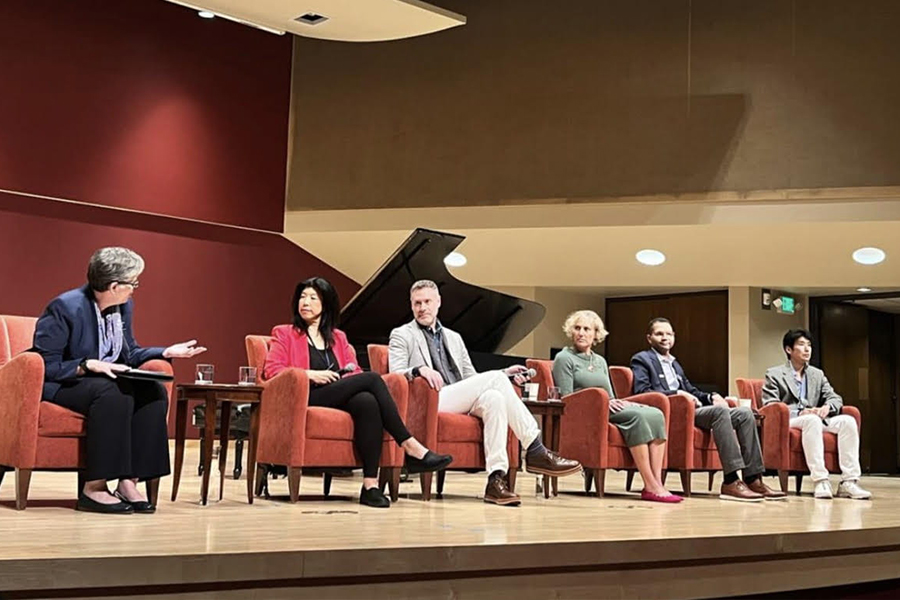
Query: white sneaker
[
  {"x": 851, "y": 489},
  {"x": 823, "y": 490}
]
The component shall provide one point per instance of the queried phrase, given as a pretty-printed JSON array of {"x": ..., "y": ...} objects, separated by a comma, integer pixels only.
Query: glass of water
[
  {"x": 553, "y": 394},
  {"x": 247, "y": 376},
  {"x": 204, "y": 374}
]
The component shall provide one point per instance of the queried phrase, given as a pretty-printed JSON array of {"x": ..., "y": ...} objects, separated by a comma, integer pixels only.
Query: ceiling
[
  {"x": 347, "y": 20},
  {"x": 801, "y": 246}
]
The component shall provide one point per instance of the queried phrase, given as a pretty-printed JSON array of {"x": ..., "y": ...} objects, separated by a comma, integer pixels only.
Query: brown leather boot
[
  {"x": 740, "y": 492},
  {"x": 547, "y": 462},
  {"x": 768, "y": 493},
  {"x": 497, "y": 492}
]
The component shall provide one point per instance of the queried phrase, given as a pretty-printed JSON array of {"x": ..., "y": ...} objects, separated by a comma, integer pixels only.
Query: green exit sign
[{"x": 787, "y": 305}]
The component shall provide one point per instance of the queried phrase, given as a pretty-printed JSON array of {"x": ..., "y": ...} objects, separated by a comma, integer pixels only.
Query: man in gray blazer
[
  {"x": 424, "y": 348},
  {"x": 815, "y": 408}
]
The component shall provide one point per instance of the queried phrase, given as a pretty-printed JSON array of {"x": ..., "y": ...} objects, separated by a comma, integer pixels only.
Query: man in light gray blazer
[
  {"x": 424, "y": 348},
  {"x": 815, "y": 408}
]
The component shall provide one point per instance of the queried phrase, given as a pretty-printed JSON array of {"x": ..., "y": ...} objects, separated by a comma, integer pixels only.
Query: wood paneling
[{"x": 700, "y": 321}]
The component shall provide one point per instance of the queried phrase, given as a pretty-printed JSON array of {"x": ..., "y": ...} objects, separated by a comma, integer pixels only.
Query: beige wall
[
  {"x": 559, "y": 303},
  {"x": 600, "y": 98},
  {"x": 755, "y": 334}
]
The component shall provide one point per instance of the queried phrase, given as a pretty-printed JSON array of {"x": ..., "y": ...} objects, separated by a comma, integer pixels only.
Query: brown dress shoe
[
  {"x": 740, "y": 492},
  {"x": 497, "y": 492},
  {"x": 547, "y": 462},
  {"x": 768, "y": 493}
]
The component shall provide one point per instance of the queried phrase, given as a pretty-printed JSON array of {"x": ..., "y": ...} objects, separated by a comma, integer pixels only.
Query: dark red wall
[{"x": 143, "y": 105}]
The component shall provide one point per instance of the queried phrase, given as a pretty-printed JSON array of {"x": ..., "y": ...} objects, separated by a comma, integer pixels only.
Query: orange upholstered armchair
[
  {"x": 586, "y": 435},
  {"x": 690, "y": 448},
  {"x": 445, "y": 433},
  {"x": 296, "y": 435},
  {"x": 36, "y": 435},
  {"x": 783, "y": 446}
]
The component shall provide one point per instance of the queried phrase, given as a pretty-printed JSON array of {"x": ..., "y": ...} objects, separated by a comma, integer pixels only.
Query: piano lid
[{"x": 488, "y": 321}]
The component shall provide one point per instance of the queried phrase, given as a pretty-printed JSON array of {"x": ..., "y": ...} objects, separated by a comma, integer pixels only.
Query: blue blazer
[
  {"x": 66, "y": 333},
  {"x": 650, "y": 377}
]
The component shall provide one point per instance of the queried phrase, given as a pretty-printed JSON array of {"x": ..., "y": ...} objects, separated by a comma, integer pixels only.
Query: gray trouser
[{"x": 734, "y": 430}]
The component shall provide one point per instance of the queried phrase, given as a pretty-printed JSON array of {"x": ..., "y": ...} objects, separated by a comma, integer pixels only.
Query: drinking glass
[
  {"x": 204, "y": 374},
  {"x": 247, "y": 376},
  {"x": 553, "y": 394}
]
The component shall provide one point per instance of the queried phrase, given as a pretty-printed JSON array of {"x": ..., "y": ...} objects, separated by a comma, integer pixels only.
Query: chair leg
[
  {"x": 262, "y": 480},
  {"x": 394, "y": 484},
  {"x": 202, "y": 454},
  {"x": 588, "y": 480},
  {"x": 238, "y": 458},
  {"x": 326, "y": 483},
  {"x": 629, "y": 480},
  {"x": 783, "y": 480},
  {"x": 2, "y": 473},
  {"x": 383, "y": 476},
  {"x": 294, "y": 483},
  {"x": 23, "y": 480},
  {"x": 685, "y": 482},
  {"x": 81, "y": 482},
  {"x": 600, "y": 479},
  {"x": 440, "y": 483},
  {"x": 425, "y": 481},
  {"x": 152, "y": 486},
  {"x": 799, "y": 480},
  {"x": 665, "y": 474},
  {"x": 511, "y": 479},
  {"x": 712, "y": 477}
]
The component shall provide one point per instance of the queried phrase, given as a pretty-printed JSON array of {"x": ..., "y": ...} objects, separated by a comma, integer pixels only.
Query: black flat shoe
[
  {"x": 87, "y": 504},
  {"x": 139, "y": 506},
  {"x": 374, "y": 498},
  {"x": 428, "y": 463}
]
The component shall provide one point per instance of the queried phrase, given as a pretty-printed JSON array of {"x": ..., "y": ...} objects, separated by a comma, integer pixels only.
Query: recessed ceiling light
[
  {"x": 869, "y": 256},
  {"x": 650, "y": 257},
  {"x": 205, "y": 14},
  {"x": 455, "y": 259},
  {"x": 864, "y": 289}
]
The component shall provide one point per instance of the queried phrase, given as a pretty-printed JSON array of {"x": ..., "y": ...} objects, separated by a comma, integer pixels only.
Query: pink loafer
[{"x": 651, "y": 497}]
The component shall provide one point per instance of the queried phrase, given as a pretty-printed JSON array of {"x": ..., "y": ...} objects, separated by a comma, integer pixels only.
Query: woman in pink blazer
[{"x": 314, "y": 343}]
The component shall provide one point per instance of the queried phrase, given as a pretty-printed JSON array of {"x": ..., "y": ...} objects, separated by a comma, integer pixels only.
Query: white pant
[
  {"x": 490, "y": 397},
  {"x": 814, "y": 445}
]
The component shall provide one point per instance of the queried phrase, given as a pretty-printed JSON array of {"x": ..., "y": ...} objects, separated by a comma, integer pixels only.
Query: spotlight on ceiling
[
  {"x": 869, "y": 256},
  {"x": 863, "y": 289},
  {"x": 650, "y": 257},
  {"x": 455, "y": 259},
  {"x": 205, "y": 14}
]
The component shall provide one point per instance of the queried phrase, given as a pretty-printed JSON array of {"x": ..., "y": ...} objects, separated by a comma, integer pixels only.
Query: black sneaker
[{"x": 428, "y": 463}]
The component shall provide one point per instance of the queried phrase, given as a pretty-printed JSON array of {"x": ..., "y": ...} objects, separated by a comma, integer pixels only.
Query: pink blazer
[{"x": 290, "y": 348}]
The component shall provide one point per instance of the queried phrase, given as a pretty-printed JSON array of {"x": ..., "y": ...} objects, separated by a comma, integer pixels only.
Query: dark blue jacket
[
  {"x": 649, "y": 377},
  {"x": 66, "y": 334}
]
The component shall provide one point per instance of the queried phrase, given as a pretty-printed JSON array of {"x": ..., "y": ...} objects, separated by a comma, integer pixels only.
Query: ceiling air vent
[{"x": 311, "y": 18}]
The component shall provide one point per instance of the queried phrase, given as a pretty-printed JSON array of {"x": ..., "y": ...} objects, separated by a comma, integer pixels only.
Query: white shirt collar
[{"x": 669, "y": 358}]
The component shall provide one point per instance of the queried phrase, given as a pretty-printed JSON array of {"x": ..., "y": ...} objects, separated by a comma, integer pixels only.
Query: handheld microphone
[
  {"x": 526, "y": 374},
  {"x": 348, "y": 368}
]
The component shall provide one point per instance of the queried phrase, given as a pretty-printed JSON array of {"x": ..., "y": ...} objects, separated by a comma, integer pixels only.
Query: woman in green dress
[{"x": 643, "y": 427}]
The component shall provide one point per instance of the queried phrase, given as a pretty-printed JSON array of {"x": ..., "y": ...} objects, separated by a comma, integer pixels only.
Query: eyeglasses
[{"x": 134, "y": 284}]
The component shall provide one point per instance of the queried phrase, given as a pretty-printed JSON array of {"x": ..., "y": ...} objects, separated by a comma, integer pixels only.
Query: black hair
[
  {"x": 791, "y": 337},
  {"x": 331, "y": 307},
  {"x": 654, "y": 322}
]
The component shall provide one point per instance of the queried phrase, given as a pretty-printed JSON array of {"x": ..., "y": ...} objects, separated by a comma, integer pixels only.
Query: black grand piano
[{"x": 490, "y": 322}]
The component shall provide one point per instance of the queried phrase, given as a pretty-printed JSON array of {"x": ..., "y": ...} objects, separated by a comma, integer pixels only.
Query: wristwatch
[
  {"x": 415, "y": 371},
  {"x": 83, "y": 366}
]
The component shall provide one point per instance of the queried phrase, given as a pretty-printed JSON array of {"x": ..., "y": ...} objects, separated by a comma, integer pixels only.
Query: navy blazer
[
  {"x": 66, "y": 333},
  {"x": 650, "y": 377}
]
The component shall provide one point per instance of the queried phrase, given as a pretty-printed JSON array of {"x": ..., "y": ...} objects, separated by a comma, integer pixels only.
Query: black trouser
[
  {"x": 127, "y": 437},
  {"x": 367, "y": 399}
]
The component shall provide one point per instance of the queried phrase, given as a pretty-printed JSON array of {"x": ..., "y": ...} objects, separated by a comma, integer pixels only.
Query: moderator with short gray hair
[
  {"x": 112, "y": 264},
  {"x": 424, "y": 284}
]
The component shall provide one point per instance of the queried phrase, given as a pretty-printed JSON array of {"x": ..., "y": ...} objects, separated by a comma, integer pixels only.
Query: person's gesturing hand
[{"x": 183, "y": 350}]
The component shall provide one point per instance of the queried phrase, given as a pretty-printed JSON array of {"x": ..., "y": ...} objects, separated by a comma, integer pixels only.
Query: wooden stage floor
[{"x": 572, "y": 546}]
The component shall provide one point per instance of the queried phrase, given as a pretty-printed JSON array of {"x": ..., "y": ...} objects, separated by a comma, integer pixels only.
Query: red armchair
[
  {"x": 783, "y": 446},
  {"x": 296, "y": 435},
  {"x": 690, "y": 448},
  {"x": 586, "y": 435},
  {"x": 444, "y": 433},
  {"x": 35, "y": 435}
]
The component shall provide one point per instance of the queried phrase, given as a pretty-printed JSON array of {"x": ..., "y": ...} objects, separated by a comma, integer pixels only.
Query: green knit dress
[{"x": 639, "y": 423}]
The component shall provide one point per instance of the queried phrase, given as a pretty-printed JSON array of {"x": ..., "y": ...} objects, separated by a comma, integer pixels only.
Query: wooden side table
[
  {"x": 216, "y": 394},
  {"x": 550, "y": 413}
]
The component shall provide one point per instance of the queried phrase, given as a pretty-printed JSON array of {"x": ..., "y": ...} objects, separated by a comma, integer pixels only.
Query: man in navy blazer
[{"x": 734, "y": 429}]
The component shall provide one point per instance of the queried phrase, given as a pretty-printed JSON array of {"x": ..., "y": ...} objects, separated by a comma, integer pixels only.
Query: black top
[{"x": 322, "y": 360}]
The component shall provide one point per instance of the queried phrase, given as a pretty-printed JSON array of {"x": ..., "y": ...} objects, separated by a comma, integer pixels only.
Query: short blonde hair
[{"x": 591, "y": 317}]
